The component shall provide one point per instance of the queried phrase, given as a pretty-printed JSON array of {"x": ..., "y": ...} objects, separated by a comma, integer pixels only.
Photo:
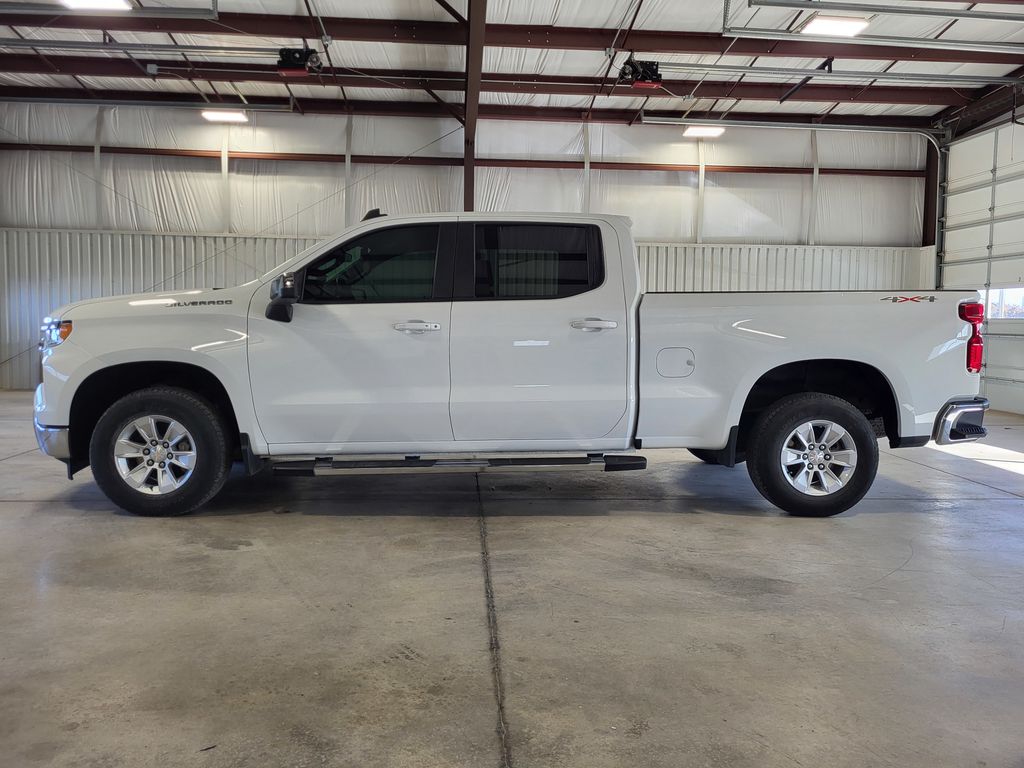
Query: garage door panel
[
  {"x": 1007, "y": 272},
  {"x": 1009, "y": 197},
  {"x": 1008, "y": 238},
  {"x": 965, "y": 207},
  {"x": 970, "y": 160},
  {"x": 964, "y": 275},
  {"x": 970, "y": 243}
]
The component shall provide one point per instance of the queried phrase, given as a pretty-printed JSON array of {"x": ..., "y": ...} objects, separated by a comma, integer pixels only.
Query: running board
[{"x": 416, "y": 465}]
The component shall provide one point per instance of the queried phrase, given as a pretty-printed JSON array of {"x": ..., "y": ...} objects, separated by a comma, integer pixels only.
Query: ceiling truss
[{"x": 965, "y": 98}]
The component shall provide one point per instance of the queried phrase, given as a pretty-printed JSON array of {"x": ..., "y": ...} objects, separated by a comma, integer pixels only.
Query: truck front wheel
[
  {"x": 812, "y": 454},
  {"x": 160, "y": 451}
]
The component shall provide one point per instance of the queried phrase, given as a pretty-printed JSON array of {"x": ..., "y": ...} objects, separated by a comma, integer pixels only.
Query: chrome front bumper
[
  {"x": 53, "y": 441},
  {"x": 961, "y": 421}
]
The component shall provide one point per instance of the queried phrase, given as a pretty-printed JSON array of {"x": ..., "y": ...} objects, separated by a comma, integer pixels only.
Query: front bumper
[
  {"x": 961, "y": 420},
  {"x": 53, "y": 441}
]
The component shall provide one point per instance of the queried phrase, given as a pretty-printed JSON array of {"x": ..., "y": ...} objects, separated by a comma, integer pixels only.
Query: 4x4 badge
[{"x": 901, "y": 299}]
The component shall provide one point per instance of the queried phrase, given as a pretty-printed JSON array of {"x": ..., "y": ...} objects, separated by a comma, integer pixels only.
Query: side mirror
[{"x": 283, "y": 294}]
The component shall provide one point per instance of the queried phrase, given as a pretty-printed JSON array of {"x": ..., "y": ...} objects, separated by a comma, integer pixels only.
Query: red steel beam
[
  {"x": 489, "y": 162},
  {"x": 504, "y": 35},
  {"x": 476, "y": 14},
  {"x": 435, "y": 80},
  {"x": 431, "y": 109}
]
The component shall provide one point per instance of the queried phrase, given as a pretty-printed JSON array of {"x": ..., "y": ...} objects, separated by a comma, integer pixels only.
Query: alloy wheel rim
[
  {"x": 155, "y": 454},
  {"x": 818, "y": 458}
]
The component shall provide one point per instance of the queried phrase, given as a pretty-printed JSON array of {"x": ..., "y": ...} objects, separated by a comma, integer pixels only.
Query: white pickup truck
[{"x": 484, "y": 342}]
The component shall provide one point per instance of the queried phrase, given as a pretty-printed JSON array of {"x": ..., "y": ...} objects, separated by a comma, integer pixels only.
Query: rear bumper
[
  {"x": 53, "y": 441},
  {"x": 961, "y": 420}
]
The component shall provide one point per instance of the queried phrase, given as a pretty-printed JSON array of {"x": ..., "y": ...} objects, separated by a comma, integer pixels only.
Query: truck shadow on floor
[
  {"x": 686, "y": 487},
  {"x": 683, "y": 488}
]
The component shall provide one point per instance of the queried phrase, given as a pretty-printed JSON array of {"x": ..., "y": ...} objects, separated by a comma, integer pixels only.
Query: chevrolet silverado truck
[{"x": 492, "y": 342}]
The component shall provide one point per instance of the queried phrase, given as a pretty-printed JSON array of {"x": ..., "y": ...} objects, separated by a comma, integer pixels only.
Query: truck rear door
[{"x": 539, "y": 333}]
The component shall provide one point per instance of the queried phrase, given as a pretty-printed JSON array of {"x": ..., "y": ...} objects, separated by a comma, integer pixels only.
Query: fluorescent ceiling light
[
  {"x": 835, "y": 26},
  {"x": 703, "y": 131},
  {"x": 98, "y": 5},
  {"x": 225, "y": 116}
]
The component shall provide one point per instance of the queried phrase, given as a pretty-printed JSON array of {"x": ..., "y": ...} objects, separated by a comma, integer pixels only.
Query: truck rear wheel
[
  {"x": 160, "y": 451},
  {"x": 812, "y": 454}
]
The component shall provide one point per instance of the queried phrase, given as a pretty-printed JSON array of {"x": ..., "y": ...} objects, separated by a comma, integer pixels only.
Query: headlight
[{"x": 54, "y": 332}]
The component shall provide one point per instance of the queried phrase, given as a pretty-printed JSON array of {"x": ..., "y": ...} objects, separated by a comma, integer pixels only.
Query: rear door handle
[
  {"x": 416, "y": 326},
  {"x": 593, "y": 324}
]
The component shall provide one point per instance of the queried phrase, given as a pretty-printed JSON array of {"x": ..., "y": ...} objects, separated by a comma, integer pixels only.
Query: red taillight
[{"x": 974, "y": 313}]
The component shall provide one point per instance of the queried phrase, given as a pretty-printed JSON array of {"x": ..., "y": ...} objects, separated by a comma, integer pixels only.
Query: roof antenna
[{"x": 373, "y": 213}]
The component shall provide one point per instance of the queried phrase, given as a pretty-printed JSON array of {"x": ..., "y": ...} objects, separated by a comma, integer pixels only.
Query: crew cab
[{"x": 472, "y": 342}]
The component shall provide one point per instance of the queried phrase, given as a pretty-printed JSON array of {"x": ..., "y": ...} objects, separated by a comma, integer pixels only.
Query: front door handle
[
  {"x": 593, "y": 324},
  {"x": 416, "y": 326}
]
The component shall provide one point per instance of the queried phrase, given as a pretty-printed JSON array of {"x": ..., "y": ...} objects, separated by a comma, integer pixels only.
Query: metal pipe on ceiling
[
  {"x": 818, "y": 74},
  {"x": 887, "y": 9},
  {"x": 40, "y": 9},
  {"x": 143, "y": 102},
  {"x": 490, "y": 162},
  {"x": 88, "y": 45},
  {"x": 931, "y": 136},
  {"x": 755, "y": 33},
  {"x": 128, "y": 98}
]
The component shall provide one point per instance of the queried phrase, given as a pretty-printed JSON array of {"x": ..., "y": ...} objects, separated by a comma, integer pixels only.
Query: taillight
[{"x": 974, "y": 313}]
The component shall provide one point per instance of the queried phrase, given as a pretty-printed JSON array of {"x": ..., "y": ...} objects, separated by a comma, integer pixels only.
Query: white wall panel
[
  {"x": 662, "y": 204},
  {"x": 186, "y": 194},
  {"x": 869, "y": 210},
  {"x": 757, "y": 207},
  {"x": 521, "y": 189}
]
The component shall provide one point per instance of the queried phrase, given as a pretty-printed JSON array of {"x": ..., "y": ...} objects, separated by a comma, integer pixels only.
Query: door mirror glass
[{"x": 283, "y": 294}]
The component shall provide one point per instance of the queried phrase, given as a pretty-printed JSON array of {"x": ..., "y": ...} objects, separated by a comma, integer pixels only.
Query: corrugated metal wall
[
  {"x": 696, "y": 268},
  {"x": 41, "y": 269}
]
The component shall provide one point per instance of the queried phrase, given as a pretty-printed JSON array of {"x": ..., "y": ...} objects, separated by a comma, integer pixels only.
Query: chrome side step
[{"x": 416, "y": 465}]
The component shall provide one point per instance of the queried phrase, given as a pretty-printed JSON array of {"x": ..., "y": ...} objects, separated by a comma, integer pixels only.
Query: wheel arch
[
  {"x": 102, "y": 388},
  {"x": 861, "y": 384}
]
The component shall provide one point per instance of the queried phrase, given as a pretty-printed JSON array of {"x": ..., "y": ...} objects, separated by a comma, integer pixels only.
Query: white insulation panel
[
  {"x": 73, "y": 190},
  {"x": 42, "y": 269}
]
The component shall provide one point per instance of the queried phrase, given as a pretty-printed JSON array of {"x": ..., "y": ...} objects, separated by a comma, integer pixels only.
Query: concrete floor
[{"x": 667, "y": 618}]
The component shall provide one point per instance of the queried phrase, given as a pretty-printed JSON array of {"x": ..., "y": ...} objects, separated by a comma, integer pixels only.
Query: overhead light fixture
[
  {"x": 703, "y": 131},
  {"x": 98, "y": 5},
  {"x": 225, "y": 116},
  {"x": 835, "y": 26}
]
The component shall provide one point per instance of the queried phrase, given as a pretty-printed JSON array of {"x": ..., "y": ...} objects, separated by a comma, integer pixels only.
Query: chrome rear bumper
[
  {"x": 961, "y": 421},
  {"x": 53, "y": 441}
]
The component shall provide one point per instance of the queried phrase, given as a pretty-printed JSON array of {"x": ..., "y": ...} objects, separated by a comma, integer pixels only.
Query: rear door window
[{"x": 535, "y": 261}]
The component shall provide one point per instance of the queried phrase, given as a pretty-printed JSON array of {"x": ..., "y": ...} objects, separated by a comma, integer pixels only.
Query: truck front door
[{"x": 365, "y": 358}]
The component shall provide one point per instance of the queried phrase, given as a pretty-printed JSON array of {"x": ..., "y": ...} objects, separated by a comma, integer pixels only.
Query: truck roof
[{"x": 508, "y": 215}]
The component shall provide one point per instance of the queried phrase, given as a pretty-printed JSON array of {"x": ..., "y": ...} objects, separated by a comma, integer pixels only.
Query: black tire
[
  {"x": 213, "y": 457},
  {"x": 774, "y": 426},
  {"x": 708, "y": 457}
]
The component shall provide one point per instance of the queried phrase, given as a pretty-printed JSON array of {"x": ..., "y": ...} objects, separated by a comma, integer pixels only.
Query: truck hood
[{"x": 232, "y": 300}]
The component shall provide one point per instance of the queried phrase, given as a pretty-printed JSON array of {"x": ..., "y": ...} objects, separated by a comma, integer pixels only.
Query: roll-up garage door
[{"x": 984, "y": 248}]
